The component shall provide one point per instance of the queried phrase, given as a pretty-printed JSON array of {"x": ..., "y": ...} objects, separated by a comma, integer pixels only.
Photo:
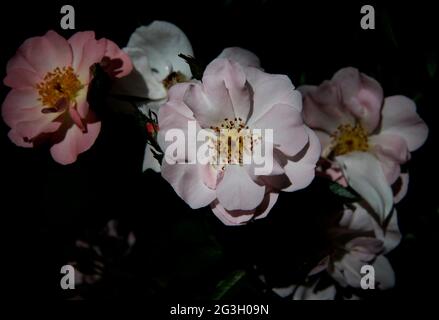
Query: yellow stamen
[
  {"x": 61, "y": 84},
  {"x": 232, "y": 142},
  {"x": 348, "y": 138},
  {"x": 174, "y": 78}
]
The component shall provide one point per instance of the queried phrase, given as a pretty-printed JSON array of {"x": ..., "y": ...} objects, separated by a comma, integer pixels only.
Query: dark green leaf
[
  {"x": 343, "y": 192},
  {"x": 228, "y": 283}
]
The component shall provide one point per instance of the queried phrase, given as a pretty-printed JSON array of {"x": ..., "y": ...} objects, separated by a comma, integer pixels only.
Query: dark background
[{"x": 185, "y": 254}]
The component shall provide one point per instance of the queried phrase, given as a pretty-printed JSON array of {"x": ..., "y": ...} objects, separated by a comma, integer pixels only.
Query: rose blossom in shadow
[
  {"x": 50, "y": 77},
  {"x": 365, "y": 137}
]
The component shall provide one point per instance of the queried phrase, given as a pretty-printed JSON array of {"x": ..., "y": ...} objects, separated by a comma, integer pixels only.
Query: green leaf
[
  {"x": 228, "y": 283},
  {"x": 343, "y": 192}
]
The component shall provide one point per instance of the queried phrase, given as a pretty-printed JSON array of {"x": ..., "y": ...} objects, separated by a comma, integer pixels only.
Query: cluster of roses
[{"x": 343, "y": 129}]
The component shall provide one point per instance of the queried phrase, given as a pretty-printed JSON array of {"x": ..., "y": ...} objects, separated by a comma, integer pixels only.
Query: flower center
[
  {"x": 348, "y": 138},
  {"x": 232, "y": 143},
  {"x": 174, "y": 78},
  {"x": 58, "y": 87}
]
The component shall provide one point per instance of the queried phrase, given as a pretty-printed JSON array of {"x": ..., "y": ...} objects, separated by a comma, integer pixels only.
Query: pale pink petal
[
  {"x": 19, "y": 78},
  {"x": 272, "y": 199},
  {"x": 362, "y": 95},
  {"x": 389, "y": 233},
  {"x": 76, "y": 118},
  {"x": 46, "y": 53},
  {"x": 357, "y": 220},
  {"x": 186, "y": 179},
  {"x": 21, "y": 105},
  {"x": 269, "y": 169},
  {"x": 31, "y": 129},
  {"x": 399, "y": 117},
  {"x": 270, "y": 90},
  {"x": 18, "y": 140},
  {"x": 22, "y": 111},
  {"x": 289, "y": 132},
  {"x": 120, "y": 63},
  {"x": 365, "y": 175},
  {"x": 81, "y": 103},
  {"x": 75, "y": 142},
  {"x": 323, "y": 109},
  {"x": 209, "y": 110},
  {"x": 19, "y": 62},
  {"x": 86, "y": 52},
  {"x": 77, "y": 43},
  {"x": 392, "y": 151},
  {"x": 301, "y": 173},
  {"x": 237, "y": 191},
  {"x": 242, "y": 56},
  {"x": 400, "y": 187},
  {"x": 227, "y": 218},
  {"x": 351, "y": 267},
  {"x": 225, "y": 79},
  {"x": 364, "y": 248},
  {"x": 174, "y": 115}
]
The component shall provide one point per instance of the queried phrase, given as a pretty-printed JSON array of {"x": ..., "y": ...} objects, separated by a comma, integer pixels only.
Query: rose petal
[
  {"x": 86, "y": 52},
  {"x": 270, "y": 90},
  {"x": 362, "y": 95},
  {"x": 75, "y": 142},
  {"x": 323, "y": 109},
  {"x": 46, "y": 53},
  {"x": 392, "y": 151},
  {"x": 225, "y": 80},
  {"x": 242, "y": 56},
  {"x": 121, "y": 62},
  {"x": 237, "y": 191},
  {"x": 289, "y": 133},
  {"x": 162, "y": 42},
  {"x": 205, "y": 106},
  {"x": 187, "y": 182},
  {"x": 401, "y": 190},
  {"x": 20, "y": 78},
  {"x": 301, "y": 173},
  {"x": 227, "y": 218},
  {"x": 21, "y": 105},
  {"x": 365, "y": 175},
  {"x": 399, "y": 117}
]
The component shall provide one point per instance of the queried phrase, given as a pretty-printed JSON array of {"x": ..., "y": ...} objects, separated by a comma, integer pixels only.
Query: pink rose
[
  {"x": 364, "y": 136},
  {"x": 49, "y": 77},
  {"x": 239, "y": 96}
]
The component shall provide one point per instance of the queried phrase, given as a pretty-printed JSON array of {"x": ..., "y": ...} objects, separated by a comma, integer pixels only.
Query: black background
[{"x": 46, "y": 206}]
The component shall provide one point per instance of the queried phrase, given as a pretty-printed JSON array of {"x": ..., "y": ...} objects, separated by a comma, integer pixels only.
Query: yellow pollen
[
  {"x": 232, "y": 142},
  {"x": 174, "y": 78},
  {"x": 348, "y": 138},
  {"x": 61, "y": 84}
]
